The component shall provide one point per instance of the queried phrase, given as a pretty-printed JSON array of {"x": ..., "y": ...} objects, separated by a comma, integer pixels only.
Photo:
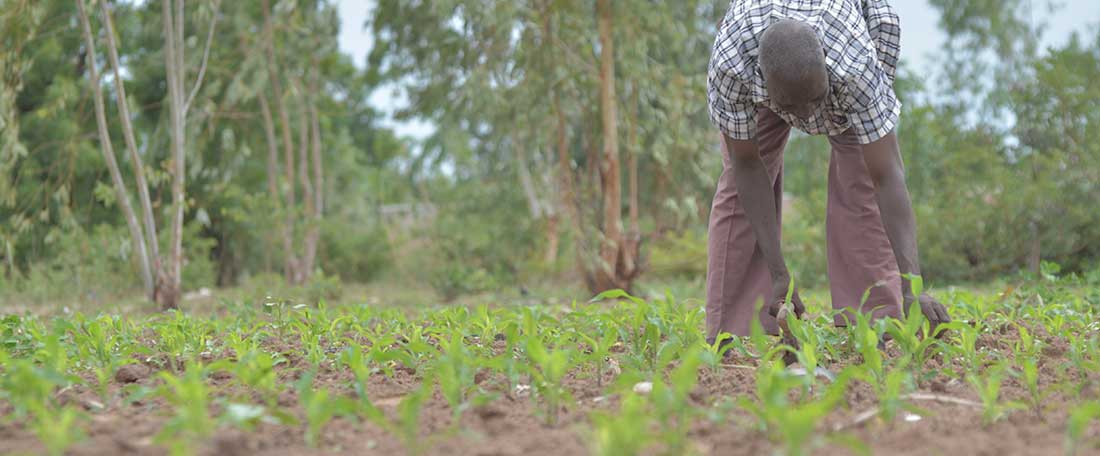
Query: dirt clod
[{"x": 132, "y": 373}]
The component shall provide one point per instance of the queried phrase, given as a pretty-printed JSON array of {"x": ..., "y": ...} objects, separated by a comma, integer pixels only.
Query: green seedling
[
  {"x": 989, "y": 390},
  {"x": 454, "y": 370},
  {"x": 624, "y": 431},
  {"x": 599, "y": 348},
  {"x": 408, "y": 419},
  {"x": 672, "y": 406},
  {"x": 547, "y": 370},
  {"x": 791, "y": 423},
  {"x": 189, "y": 396},
  {"x": 352, "y": 357},
  {"x": 320, "y": 407},
  {"x": 56, "y": 427},
  {"x": 1077, "y": 425}
]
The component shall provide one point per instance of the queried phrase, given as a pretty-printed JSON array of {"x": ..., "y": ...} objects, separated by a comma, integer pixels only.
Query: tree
[
  {"x": 137, "y": 235},
  {"x": 495, "y": 75}
]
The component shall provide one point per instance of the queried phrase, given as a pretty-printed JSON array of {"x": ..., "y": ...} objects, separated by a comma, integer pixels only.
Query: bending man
[{"x": 825, "y": 67}]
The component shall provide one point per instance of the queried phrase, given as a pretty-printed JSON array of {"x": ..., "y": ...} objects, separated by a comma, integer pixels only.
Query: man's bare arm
[
  {"x": 757, "y": 197},
  {"x": 884, "y": 163}
]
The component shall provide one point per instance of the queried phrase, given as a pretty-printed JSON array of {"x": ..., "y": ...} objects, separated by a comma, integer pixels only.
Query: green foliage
[
  {"x": 679, "y": 255},
  {"x": 231, "y": 371},
  {"x": 189, "y": 395},
  {"x": 320, "y": 406}
]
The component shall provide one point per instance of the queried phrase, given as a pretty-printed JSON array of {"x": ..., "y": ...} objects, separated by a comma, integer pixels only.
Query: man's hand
[
  {"x": 935, "y": 312},
  {"x": 779, "y": 297}
]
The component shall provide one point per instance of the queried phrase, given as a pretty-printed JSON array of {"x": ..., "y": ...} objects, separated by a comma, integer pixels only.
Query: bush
[
  {"x": 265, "y": 287},
  {"x": 679, "y": 255},
  {"x": 479, "y": 240},
  {"x": 354, "y": 252},
  {"x": 91, "y": 265}
]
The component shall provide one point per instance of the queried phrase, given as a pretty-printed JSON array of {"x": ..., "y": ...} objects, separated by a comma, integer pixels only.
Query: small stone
[
  {"x": 643, "y": 387},
  {"x": 131, "y": 373}
]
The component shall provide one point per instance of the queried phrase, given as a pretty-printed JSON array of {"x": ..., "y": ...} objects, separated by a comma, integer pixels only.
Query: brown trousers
[{"x": 859, "y": 253}]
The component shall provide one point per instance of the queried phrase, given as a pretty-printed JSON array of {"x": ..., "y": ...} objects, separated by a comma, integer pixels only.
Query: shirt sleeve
[
  {"x": 873, "y": 107},
  {"x": 730, "y": 104},
  {"x": 884, "y": 27}
]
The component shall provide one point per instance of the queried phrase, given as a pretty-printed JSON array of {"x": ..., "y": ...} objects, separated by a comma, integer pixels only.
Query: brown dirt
[{"x": 511, "y": 425}]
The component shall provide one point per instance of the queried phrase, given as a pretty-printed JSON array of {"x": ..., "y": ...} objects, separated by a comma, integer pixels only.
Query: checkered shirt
[{"x": 862, "y": 40}]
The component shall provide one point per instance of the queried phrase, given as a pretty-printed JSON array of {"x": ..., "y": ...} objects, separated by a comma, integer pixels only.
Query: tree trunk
[
  {"x": 137, "y": 238},
  {"x": 660, "y": 196},
  {"x": 291, "y": 267},
  {"x": 553, "y": 239},
  {"x": 273, "y": 178},
  {"x": 527, "y": 183},
  {"x": 567, "y": 190},
  {"x": 305, "y": 266},
  {"x": 1035, "y": 250},
  {"x": 168, "y": 293},
  {"x": 634, "y": 235},
  {"x": 314, "y": 237},
  {"x": 152, "y": 245},
  {"x": 612, "y": 271}
]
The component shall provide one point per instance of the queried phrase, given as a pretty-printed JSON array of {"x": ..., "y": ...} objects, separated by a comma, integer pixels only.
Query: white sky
[{"x": 921, "y": 40}]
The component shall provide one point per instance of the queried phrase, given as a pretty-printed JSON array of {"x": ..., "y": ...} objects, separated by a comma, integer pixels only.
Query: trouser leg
[
  {"x": 860, "y": 256},
  {"x": 737, "y": 275}
]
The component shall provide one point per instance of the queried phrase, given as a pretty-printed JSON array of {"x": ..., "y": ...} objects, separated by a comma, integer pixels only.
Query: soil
[{"x": 514, "y": 424}]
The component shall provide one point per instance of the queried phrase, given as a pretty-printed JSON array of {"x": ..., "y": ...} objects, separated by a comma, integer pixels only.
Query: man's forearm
[
  {"x": 900, "y": 223},
  {"x": 884, "y": 163},
  {"x": 757, "y": 197}
]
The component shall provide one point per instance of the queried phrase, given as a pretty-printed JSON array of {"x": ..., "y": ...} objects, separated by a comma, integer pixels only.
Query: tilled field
[{"x": 1018, "y": 372}]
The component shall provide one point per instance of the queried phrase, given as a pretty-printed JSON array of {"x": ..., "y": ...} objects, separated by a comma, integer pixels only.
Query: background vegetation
[{"x": 571, "y": 145}]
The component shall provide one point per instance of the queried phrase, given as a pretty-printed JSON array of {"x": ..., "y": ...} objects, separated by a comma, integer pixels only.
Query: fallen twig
[{"x": 867, "y": 415}]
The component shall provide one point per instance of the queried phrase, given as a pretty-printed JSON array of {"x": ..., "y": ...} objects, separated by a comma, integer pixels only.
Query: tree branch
[{"x": 205, "y": 58}]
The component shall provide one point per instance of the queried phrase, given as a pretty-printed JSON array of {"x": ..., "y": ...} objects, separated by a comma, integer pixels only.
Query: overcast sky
[{"x": 921, "y": 39}]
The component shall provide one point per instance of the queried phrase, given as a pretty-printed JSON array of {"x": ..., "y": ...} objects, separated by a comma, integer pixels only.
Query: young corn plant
[
  {"x": 547, "y": 370},
  {"x": 1026, "y": 353},
  {"x": 407, "y": 426},
  {"x": 672, "y": 406},
  {"x": 320, "y": 407},
  {"x": 352, "y": 357},
  {"x": 1079, "y": 420},
  {"x": 989, "y": 390},
  {"x": 599, "y": 345},
  {"x": 791, "y": 423},
  {"x": 454, "y": 370},
  {"x": 625, "y": 431},
  {"x": 56, "y": 427},
  {"x": 189, "y": 396}
]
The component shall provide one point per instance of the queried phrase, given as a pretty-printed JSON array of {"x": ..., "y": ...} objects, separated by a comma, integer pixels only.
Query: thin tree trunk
[
  {"x": 152, "y": 245},
  {"x": 567, "y": 191},
  {"x": 313, "y": 238},
  {"x": 1035, "y": 249},
  {"x": 291, "y": 268},
  {"x": 306, "y": 267},
  {"x": 534, "y": 206},
  {"x": 660, "y": 195},
  {"x": 107, "y": 148},
  {"x": 273, "y": 178},
  {"x": 611, "y": 249},
  {"x": 634, "y": 236},
  {"x": 9, "y": 258},
  {"x": 169, "y": 287}
]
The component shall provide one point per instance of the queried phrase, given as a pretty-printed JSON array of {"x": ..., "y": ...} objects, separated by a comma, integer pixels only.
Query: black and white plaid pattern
[{"x": 862, "y": 41}]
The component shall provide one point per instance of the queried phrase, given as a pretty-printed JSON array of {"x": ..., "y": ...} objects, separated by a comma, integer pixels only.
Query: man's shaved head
[{"x": 793, "y": 62}]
